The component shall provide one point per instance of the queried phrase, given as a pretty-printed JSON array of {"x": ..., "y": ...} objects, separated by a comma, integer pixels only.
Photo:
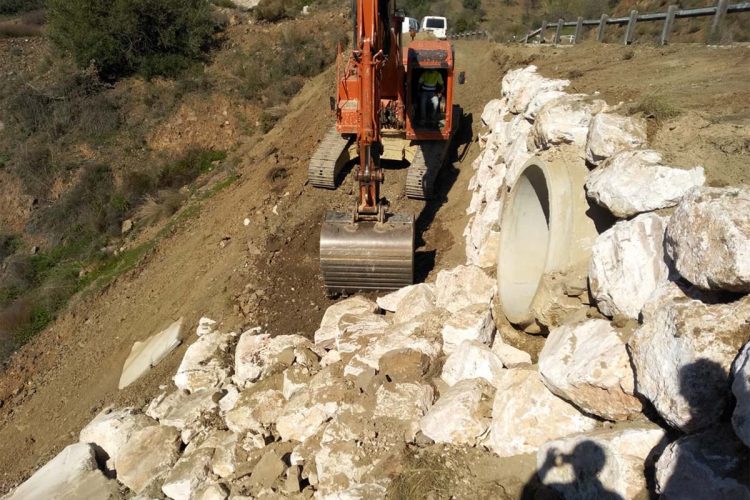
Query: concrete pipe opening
[
  {"x": 546, "y": 233},
  {"x": 524, "y": 243}
]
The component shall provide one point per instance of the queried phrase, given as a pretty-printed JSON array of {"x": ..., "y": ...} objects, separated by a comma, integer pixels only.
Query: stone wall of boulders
[{"x": 652, "y": 387}]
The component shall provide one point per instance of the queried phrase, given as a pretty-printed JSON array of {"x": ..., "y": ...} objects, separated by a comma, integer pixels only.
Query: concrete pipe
[{"x": 546, "y": 231}]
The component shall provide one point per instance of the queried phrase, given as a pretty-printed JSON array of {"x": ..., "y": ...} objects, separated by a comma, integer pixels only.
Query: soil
[{"x": 212, "y": 264}]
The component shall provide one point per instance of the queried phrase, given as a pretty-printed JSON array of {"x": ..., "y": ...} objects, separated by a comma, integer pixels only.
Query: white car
[
  {"x": 438, "y": 26},
  {"x": 409, "y": 24}
]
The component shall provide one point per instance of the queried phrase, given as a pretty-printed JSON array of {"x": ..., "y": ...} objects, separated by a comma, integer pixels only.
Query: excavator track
[
  {"x": 428, "y": 160},
  {"x": 328, "y": 160}
]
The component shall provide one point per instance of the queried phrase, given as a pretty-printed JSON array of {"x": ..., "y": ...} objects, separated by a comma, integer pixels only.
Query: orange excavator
[{"x": 378, "y": 117}]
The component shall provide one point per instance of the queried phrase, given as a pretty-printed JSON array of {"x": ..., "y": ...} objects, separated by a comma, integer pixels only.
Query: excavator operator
[{"x": 430, "y": 89}]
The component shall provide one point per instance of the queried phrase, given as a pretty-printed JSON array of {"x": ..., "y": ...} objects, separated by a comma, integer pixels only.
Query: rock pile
[{"x": 261, "y": 415}]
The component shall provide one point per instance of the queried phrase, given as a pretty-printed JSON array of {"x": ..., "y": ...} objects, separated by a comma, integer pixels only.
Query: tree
[{"x": 122, "y": 37}]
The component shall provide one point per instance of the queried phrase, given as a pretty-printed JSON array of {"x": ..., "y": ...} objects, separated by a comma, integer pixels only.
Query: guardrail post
[
  {"x": 718, "y": 23},
  {"x": 560, "y": 23},
  {"x": 541, "y": 31},
  {"x": 630, "y": 30},
  {"x": 602, "y": 26},
  {"x": 666, "y": 32},
  {"x": 579, "y": 29}
]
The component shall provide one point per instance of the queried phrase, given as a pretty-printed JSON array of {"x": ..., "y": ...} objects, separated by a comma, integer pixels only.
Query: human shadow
[
  {"x": 583, "y": 465},
  {"x": 706, "y": 387}
]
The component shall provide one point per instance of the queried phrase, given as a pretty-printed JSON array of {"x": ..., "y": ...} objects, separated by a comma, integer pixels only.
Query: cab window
[{"x": 435, "y": 23}]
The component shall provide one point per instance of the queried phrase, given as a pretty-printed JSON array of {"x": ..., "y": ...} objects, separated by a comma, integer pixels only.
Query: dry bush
[
  {"x": 161, "y": 205},
  {"x": 15, "y": 317}
]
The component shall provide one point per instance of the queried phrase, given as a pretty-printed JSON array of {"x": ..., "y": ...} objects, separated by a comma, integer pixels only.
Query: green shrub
[
  {"x": 123, "y": 37},
  {"x": 274, "y": 11},
  {"x": 17, "y": 6},
  {"x": 227, "y": 4},
  {"x": 188, "y": 168}
]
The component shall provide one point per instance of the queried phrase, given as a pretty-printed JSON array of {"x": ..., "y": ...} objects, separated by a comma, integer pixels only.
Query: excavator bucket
[{"x": 364, "y": 255}]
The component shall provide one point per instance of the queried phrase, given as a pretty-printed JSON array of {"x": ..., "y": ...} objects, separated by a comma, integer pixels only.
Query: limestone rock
[
  {"x": 520, "y": 86},
  {"x": 461, "y": 415},
  {"x": 610, "y": 133},
  {"x": 418, "y": 335},
  {"x": 188, "y": 475},
  {"x": 463, "y": 286},
  {"x": 202, "y": 367},
  {"x": 472, "y": 360},
  {"x": 564, "y": 120},
  {"x": 205, "y": 325},
  {"x": 525, "y": 414},
  {"x": 392, "y": 301},
  {"x": 470, "y": 323},
  {"x": 741, "y": 391},
  {"x": 538, "y": 102},
  {"x": 259, "y": 355},
  {"x": 267, "y": 470},
  {"x": 682, "y": 355},
  {"x": 417, "y": 301},
  {"x": 221, "y": 446},
  {"x": 491, "y": 111},
  {"x": 212, "y": 492},
  {"x": 711, "y": 464},
  {"x": 111, "y": 429},
  {"x": 147, "y": 456},
  {"x": 588, "y": 365},
  {"x": 404, "y": 365},
  {"x": 627, "y": 265},
  {"x": 510, "y": 356},
  {"x": 306, "y": 412},
  {"x": 329, "y": 325},
  {"x": 405, "y": 402},
  {"x": 149, "y": 353},
  {"x": 256, "y": 410},
  {"x": 71, "y": 474},
  {"x": 607, "y": 463},
  {"x": 636, "y": 181},
  {"x": 709, "y": 238},
  {"x": 184, "y": 411}
]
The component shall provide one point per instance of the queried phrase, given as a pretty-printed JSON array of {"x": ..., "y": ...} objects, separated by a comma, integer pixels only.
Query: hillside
[{"x": 229, "y": 142}]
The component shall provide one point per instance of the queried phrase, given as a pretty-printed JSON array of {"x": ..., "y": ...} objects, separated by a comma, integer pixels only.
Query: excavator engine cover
[{"x": 366, "y": 255}]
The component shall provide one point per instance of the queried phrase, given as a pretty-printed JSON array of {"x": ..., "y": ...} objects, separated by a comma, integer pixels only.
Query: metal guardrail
[
  {"x": 468, "y": 34},
  {"x": 719, "y": 12}
]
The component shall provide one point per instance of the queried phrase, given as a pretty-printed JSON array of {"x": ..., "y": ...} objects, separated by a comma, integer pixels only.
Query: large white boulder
[
  {"x": 329, "y": 325},
  {"x": 564, "y": 120},
  {"x": 709, "y": 238},
  {"x": 256, "y": 410},
  {"x": 741, "y": 391},
  {"x": 521, "y": 85},
  {"x": 525, "y": 415},
  {"x": 463, "y": 286},
  {"x": 587, "y": 364},
  {"x": 636, "y": 181},
  {"x": 257, "y": 354},
  {"x": 470, "y": 323},
  {"x": 417, "y": 335},
  {"x": 150, "y": 352},
  {"x": 461, "y": 415},
  {"x": 72, "y": 474},
  {"x": 517, "y": 152},
  {"x": 188, "y": 475},
  {"x": 682, "y": 355},
  {"x": 538, "y": 102},
  {"x": 627, "y": 265},
  {"x": 610, "y": 133},
  {"x": 392, "y": 301},
  {"x": 711, "y": 464},
  {"x": 470, "y": 360},
  {"x": 419, "y": 300},
  {"x": 493, "y": 111},
  {"x": 605, "y": 463},
  {"x": 185, "y": 411},
  {"x": 111, "y": 429},
  {"x": 148, "y": 456},
  {"x": 406, "y": 402},
  {"x": 203, "y": 365}
]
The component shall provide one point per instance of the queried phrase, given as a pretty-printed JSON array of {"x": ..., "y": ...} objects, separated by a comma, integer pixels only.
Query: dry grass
[
  {"x": 12, "y": 29},
  {"x": 161, "y": 205}
]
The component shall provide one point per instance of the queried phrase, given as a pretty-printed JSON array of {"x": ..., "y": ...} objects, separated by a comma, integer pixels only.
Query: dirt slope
[{"x": 266, "y": 273}]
